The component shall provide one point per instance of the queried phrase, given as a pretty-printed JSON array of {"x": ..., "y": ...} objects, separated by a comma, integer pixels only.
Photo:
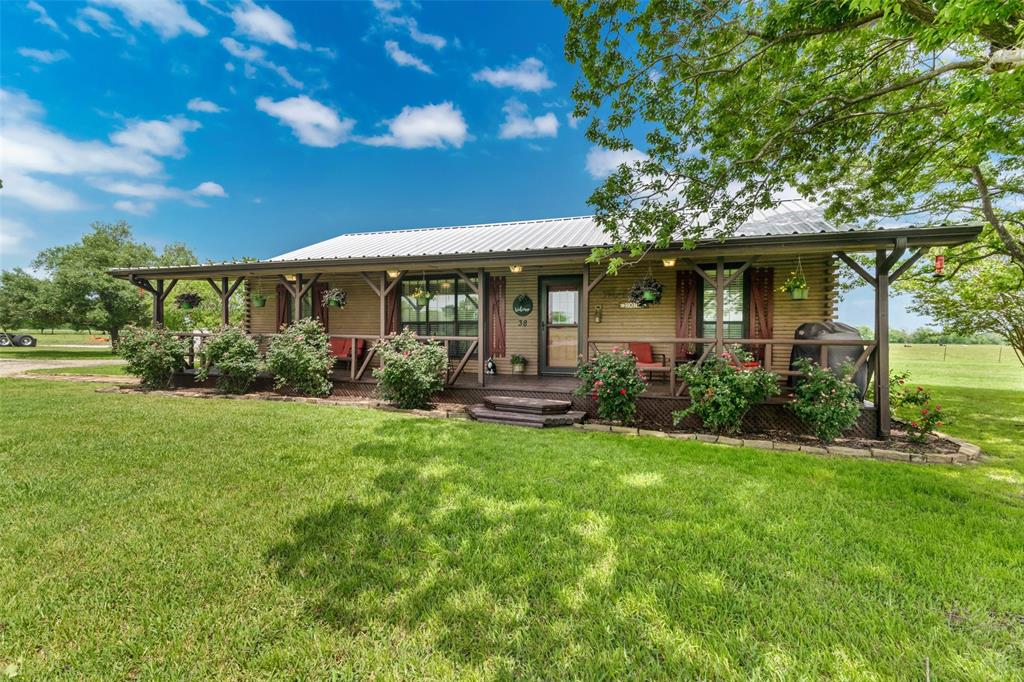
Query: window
[
  {"x": 453, "y": 311},
  {"x": 734, "y": 318}
]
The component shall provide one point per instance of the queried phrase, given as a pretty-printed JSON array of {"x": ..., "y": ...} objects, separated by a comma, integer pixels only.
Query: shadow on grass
[{"x": 421, "y": 551}]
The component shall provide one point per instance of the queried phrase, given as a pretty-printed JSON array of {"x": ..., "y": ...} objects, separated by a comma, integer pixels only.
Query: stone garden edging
[{"x": 967, "y": 453}]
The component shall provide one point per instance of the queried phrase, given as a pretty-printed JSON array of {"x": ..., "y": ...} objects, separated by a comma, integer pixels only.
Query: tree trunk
[
  {"x": 1013, "y": 248},
  {"x": 114, "y": 334}
]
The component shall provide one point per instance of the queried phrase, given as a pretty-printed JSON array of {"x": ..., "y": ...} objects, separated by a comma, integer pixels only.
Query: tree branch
[{"x": 1011, "y": 244}]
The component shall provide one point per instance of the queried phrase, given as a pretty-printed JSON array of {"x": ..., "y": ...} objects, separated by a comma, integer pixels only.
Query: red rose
[{"x": 622, "y": 391}]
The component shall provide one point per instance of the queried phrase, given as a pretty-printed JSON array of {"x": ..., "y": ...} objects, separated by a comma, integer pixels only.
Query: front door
[{"x": 560, "y": 324}]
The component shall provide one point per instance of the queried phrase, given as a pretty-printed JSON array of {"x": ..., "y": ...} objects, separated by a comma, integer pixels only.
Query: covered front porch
[{"x": 720, "y": 299}]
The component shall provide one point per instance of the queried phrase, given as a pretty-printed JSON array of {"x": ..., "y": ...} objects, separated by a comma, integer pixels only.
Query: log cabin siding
[{"x": 361, "y": 315}]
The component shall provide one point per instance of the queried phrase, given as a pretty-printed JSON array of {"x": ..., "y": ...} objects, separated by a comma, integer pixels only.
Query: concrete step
[
  {"x": 527, "y": 405},
  {"x": 483, "y": 413}
]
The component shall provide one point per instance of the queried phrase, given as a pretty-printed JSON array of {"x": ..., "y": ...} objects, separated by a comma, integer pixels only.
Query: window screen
[
  {"x": 734, "y": 310},
  {"x": 453, "y": 311}
]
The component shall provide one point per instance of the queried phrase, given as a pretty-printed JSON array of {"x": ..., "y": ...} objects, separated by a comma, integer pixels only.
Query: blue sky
[{"x": 250, "y": 129}]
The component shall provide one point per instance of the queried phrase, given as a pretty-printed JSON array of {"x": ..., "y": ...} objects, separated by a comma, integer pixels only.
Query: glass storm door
[{"x": 560, "y": 324}]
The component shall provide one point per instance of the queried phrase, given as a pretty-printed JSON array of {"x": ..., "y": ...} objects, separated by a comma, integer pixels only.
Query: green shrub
[
  {"x": 614, "y": 382},
  {"x": 151, "y": 354},
  {"x": 411, "y": 371},
  {"x": 235, "y": 355},
  {"x": 300, "y": 358},
  {"x": 824, "y": 401},
  {"x": 901, "y": 394},
  {"x": 722, "y": 392}
]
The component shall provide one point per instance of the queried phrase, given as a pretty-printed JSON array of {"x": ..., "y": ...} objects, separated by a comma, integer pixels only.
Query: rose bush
[
  {"x": 235, "y": 355},
  {"x": 723, "y": 390},
  {"x": 411, "y": 371},
  {"x": 825, "y": 401},
  {"x": 615, "y": 383},
  {"x": 151, "y": 354},
  {"x": 300, "y": 358}
]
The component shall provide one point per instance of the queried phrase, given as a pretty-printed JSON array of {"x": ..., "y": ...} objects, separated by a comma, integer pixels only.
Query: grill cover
[{"x": 837, "y": 355}]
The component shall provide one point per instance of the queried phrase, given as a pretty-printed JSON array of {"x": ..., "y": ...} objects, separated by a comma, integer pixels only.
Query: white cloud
[
  {"x": 435, "y": 41},
  {"x": 573, "y": 122},
  {"x": 204, "y": 105},
  {"x": 386, "y": 5},
  {"x": 529, "y": 75},
  {"x": 169, "y": 18},
  {"x": 603, "y": 162},
  {"x": 89, "y": 16},
  {"x": 39, "y": 194},
  {"x": 136, "y": 207},
  {"x": 28, "y": 147},
  {"x": 158, "y": 138},
  {"x": 257, "y": 56},
  {"x": 144, "y": 195},
  {"x": 518, "y": 123},
  {"x": 209, "y": 189},
  {"x": 44, "y": 56},
  {"x": 13, "y": 234},
  {"x": 433, "y": 125},
  {"x": 44, "y": 18},
  {"x": 313, "y": 123},
  {"x": 403, "y": 58},
  {"x": 264, "y": 25}
]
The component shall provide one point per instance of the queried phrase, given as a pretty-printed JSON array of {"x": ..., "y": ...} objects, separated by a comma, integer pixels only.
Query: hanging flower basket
[
  {"x": 645, "y": 292},
  {"x": 188, "y": 300},
  {"x": 259, "y": 301},
  {"x": 796, "y": 283},
  {"x": 336, "y": 298},
  {"x": 422, "y": 296}
]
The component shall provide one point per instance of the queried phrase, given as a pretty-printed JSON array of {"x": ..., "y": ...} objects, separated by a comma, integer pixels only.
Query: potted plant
[
  {"x": 259, "y": 300},
  {"x": 796, "y": 285},
  {"x": 335, "y": 298},
  {"x": 518, "y": 364},
  {"x": 422, "y": 295},
  {"x": 646, "y": 291},
  {"x": 188, "y": 300}
]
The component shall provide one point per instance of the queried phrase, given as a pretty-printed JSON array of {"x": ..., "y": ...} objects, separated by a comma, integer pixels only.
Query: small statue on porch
[{"x": 491, "y": 368}]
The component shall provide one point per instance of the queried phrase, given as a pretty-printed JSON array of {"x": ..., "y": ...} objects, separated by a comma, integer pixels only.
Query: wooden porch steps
[{"x": 535, "y": 413}]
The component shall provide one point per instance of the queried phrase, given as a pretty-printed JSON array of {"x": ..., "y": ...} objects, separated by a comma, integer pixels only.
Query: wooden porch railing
[
  {"x": 709, "y": 343},
  {"x": 356, "y": 366}
]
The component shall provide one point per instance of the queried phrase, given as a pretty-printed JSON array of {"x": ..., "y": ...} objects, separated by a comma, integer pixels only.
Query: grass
[
  {"x": 65, "y": 336},
  {"x": 147, "y": 536},
  {"x": 105, "y": 370},
  {"x": 991, "y": 367},
  {"x": 51, "y": 353}
]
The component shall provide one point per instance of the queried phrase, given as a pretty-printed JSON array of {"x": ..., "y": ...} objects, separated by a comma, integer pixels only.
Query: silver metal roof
[{"x": 792, "y": 217}]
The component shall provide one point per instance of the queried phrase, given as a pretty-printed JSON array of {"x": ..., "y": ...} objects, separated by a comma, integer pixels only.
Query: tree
[
  {"x": 91, "y": 297},
  {"x": 27, "y": 301},
  {"x": 875, "y": 108},
  {"x": 987, "y": 295}
]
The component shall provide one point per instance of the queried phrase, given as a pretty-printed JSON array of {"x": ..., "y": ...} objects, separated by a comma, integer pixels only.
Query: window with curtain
[
  {"x": 453, "y": 311},
  {"x": 734, "y": 317}
]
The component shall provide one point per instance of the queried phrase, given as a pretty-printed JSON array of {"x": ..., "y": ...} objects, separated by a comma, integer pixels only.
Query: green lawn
[
  {"x": 156, "y": 537},
  {"x": 51, "y": 353},
  {"x": 982, "y": 366},
  {"x": 106, "y": 370},
  {"x": 65, "y": 336}
]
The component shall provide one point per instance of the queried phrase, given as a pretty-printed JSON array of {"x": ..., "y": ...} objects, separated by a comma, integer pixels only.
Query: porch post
[
  {"x": 719, "y": 305},
  {"x": 585, "y": 313},
  {"x": 884, "y": 421},
  {"x": 225, "y": 316},
  {"x": 297, "y": 298},
  {"x": 158, "y": 304},
  {"x": 383, "y": 295},
  {"x": 481, "y": 326}
]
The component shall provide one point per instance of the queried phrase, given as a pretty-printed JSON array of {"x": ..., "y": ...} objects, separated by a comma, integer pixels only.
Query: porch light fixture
[
  {"x": 290, "y": 278},
  {"x": 394, "y": 274},
  {"x": 515, "y": 269},
  {"x": 668, "y": 262}
]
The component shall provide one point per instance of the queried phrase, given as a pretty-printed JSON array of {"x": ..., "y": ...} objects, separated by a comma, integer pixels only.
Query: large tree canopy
[
  {"x": 91, "y": 297},
  {"x": 874, "y": 108}
]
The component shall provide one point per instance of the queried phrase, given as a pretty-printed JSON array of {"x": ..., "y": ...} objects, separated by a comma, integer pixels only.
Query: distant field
[
  {"x": 105, "y": 370},
  {"x": 64, "y": 336},
  {"x": 962, "y": 366}
]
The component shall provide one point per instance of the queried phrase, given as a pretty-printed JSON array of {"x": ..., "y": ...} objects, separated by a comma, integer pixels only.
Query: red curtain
[
  {"x": 284, "y": 299},
  {"x": 762, "y": 306},
  {"x": 320, "y": 310},
  {"x": 687, "y": 289},
  {"x": 496, "y": 316}
]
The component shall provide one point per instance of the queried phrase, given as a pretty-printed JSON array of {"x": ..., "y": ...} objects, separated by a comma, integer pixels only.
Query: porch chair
[
  {"x": 342, "y": 350},
  {"x": 647, "y": 360}
]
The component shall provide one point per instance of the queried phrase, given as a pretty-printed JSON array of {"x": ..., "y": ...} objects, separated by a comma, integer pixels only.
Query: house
[{"x": 525, "y": 288}]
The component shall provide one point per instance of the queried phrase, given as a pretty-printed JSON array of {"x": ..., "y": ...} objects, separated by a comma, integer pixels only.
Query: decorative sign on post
[{"x": 522, "y": 305}]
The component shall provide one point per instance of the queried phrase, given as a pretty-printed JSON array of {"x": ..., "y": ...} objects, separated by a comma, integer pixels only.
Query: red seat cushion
[
  {"x": 643, "y": 352},
  {"x": 341, "y": 348}
]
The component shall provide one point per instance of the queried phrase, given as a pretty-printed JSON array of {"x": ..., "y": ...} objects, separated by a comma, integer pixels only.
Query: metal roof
[{"x": 792, "y": 217}]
